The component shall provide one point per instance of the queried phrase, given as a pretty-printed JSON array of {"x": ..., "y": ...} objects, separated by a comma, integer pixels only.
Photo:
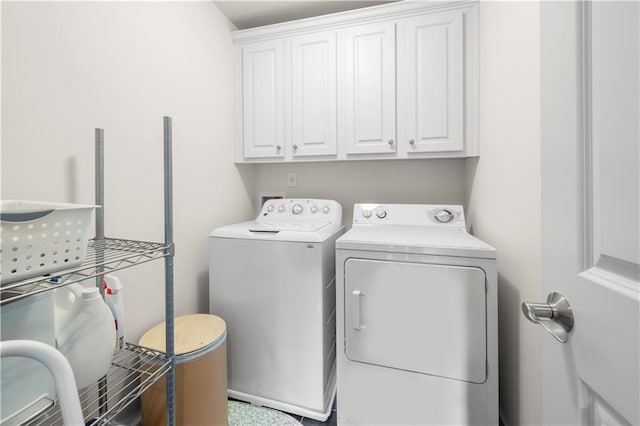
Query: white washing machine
[
  {"x": 416, "y": 319},
  {"x": 273, "y": 282}
]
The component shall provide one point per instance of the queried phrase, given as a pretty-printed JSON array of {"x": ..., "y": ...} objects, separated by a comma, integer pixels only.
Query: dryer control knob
[
  {"x": 297, "y": 209},
  {"x": 444, "y": 216},
  {"x": 381, "y": 214},
  {"x": 325, "y": 209},
  {"x": 366, "y": 214},
  {"x": 281, "y": 209},
  {"x": 270, "y": 209},
  {"x": 314, "y": 209}
]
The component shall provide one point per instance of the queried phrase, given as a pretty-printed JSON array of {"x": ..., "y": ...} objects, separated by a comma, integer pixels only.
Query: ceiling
[{"x": 249, "y": 14}]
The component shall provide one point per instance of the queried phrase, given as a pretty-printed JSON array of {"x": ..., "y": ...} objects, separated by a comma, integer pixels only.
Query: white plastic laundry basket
[{"x": 40, "y": 238}]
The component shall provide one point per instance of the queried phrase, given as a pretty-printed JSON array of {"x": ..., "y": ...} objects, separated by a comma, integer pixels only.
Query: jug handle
[{"x": 67, "y": 296}]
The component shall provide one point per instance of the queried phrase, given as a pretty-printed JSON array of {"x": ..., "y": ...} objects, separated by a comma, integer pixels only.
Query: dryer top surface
[
  {"x": 415, "y": 239},
  {"x": 413, "y": 228}
]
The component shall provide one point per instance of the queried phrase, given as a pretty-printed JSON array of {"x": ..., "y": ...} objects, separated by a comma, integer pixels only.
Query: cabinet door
[
  {"x": 313, "y": 95},
  {"x": 262, "y": 99},
  {"x": 369, "y": 103},
  {"x": 431, "y": 82}
]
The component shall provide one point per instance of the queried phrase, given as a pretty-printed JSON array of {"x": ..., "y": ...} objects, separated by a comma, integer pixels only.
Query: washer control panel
[
  {"x": 300, "y": 210},
  {"x": 451, "y": 216}
]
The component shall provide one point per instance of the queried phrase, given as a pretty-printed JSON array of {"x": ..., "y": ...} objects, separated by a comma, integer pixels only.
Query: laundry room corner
[
  {"x": 319, "y": 213},
  {"x": 503, "y": 192},
  {"x": 68, "y": 68}
]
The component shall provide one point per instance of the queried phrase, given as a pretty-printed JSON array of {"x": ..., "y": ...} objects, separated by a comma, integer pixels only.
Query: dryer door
[{"x": 418, "y": 317}]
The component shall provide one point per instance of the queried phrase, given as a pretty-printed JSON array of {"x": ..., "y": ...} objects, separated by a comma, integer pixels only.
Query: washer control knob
[
  {"x": 366, "y": 214},
  {"x": 270, "y": 209},
  {"x": 381, "y": 214},
  {"x": 444, "y": 216},
  {"x": 297, "y": 209},
  {"x": 281, "y": 208},
  {"x": 314, "y": 209},
  {"x": 325, "y": 209}
]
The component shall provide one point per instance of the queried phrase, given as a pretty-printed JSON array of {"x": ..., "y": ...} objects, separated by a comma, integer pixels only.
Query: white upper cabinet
[
  {"x": 369, "y": 89},
  {"x": 263, "y": 100},
  {"x": 313, "y": 95},
  {"x": 431, "y": 83},
  {"x": 392, "y": 81}
]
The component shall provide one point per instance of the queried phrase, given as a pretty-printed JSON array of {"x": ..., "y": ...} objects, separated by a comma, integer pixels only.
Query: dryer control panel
[
  {"x": 449, "y": 216},
  {"x": 300, "y": 211}
]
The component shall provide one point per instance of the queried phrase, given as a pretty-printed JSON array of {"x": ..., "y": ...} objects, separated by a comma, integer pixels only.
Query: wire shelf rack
[
  {"x": 132, "y": 372},
  {"x": 137, "y": 368},
  {"x": 104, "y": 255}
]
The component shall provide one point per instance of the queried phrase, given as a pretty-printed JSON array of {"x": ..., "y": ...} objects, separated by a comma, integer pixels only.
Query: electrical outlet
[{"x": 292, "y": 180}]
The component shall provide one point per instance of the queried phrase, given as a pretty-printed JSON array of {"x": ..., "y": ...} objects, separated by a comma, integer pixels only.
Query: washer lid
[
  {"x": 415, "y": 239},
  {"x": 293, "y": 232},
  {"x": 280, "y": 227}
]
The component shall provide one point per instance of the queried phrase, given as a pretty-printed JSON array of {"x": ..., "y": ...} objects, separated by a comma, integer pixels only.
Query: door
[
  {"x": 431, "y": 81},
  {"x": 314, "y": 95},
  {"x": 590, "y": 213},
  {"x": 263, "y": 99},
  {"x": 370, "y": 88},
  {"x": 424, "y": 318}
]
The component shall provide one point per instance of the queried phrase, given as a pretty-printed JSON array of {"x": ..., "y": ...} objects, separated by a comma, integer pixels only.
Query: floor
[{"x": 331, "y": 421}]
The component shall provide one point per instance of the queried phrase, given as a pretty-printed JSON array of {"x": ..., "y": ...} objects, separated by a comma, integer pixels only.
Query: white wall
[
  {"x": 503, "y": 191},
  {"x": 390, "y": 181},
  {"x": 68, "y": 67}
]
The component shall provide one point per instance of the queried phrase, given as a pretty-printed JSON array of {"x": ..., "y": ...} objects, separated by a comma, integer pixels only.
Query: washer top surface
[
  {"x": 413, "y": 228},
  {"x": 289, "y": 219}
]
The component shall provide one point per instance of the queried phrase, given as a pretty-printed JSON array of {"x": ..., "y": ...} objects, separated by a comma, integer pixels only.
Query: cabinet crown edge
[{"x": 384, "y": 12}]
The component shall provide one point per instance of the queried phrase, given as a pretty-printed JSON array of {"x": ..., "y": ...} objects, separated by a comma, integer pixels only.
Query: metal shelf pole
[
  {"x": 99, "y": 193},
  {"x": 99, "y": 190},
  {"x": 168, "y": 235}
]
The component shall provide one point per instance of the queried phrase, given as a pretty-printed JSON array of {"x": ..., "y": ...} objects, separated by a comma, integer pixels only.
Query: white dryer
[
  {"x": 416, "y": 319},
  {"x": 273, "y": 282}
]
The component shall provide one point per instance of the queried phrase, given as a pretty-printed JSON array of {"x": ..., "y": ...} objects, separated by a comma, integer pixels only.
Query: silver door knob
[
  {"x": 412, "y": 142},
  {"x": 390, "y": 142},
  {"x": 278, "y": 147},
  {"x": 555, "y": 316},
  {"x": 295, "y": 147}
]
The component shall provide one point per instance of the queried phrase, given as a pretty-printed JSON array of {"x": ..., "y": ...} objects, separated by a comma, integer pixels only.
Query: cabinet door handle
[
  {"x": 412, "y": 142},
  {"x": 390, "y": 142},
  {"x": 278, "y": 147},
  {"x": 295, "y": 147}
]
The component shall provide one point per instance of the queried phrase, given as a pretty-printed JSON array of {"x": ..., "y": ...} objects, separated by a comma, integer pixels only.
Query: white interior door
[{"x": 590, "y": 209}]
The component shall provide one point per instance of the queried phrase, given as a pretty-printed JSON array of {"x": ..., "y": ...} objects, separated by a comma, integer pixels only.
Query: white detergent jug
[{"x": 85, "y": 332}]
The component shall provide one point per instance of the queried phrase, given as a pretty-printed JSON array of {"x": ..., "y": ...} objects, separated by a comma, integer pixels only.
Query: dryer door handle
[{"x": 355, "y": 297}]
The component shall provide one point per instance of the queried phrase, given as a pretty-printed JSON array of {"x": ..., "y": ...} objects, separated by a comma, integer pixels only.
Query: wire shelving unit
[{"x": 136, "y": 368}]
